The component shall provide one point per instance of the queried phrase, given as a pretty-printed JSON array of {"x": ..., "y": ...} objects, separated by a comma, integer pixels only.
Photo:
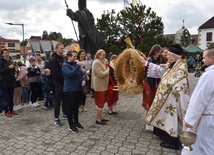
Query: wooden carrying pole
[{"x": 128, "y": 42}]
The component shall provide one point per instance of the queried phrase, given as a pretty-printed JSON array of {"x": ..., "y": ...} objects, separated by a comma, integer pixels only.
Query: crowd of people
[
  {"x": 58, "y": 82},
  {"x": 166, "y": 99},
  {"x": 195, "y": 64}
]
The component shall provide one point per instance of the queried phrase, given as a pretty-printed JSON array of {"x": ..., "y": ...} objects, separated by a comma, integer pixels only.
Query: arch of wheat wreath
[{"x": 129, "y": 71}]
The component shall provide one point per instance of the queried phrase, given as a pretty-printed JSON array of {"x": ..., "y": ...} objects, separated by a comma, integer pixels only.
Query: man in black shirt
[{"x": 56, "y": 71}]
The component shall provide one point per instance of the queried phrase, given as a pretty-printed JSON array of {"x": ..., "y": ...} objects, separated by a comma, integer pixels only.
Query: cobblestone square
[{"x": 32, "y": 131}]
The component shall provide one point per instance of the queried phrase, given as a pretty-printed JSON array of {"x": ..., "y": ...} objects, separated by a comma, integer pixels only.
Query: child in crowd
[
  {"x": 48, "y": 87},
  {"x": 198, "y": 67},
  {"x": 18, "y": 88},
  {"x": 24, "y": 82},
  {"x": 34, "y": 74},
  {"x": 198, "y": 70}
]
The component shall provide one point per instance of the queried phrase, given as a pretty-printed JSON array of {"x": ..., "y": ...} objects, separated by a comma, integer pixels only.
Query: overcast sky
[{"x": 50, "y": 15}]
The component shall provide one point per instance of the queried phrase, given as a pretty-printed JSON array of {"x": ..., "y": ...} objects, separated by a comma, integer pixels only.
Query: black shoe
[
  {"x": 166, "y": 145},
  {"x": 112, "y": 113},
  {"x": 104, "y": 120},
  {"x": 73, "y": 129},
  {"x": 78, "y": 125},
  {"x": 101, "y": 123}
]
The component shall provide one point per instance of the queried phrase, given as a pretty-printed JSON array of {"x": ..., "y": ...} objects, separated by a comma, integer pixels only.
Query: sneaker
[
  {"x": 79, "y": 126},
  {"x": 8, "y": 114},
  {"x": 57, "y": 122},
  {"x": 45, "y": 107},
  {"x": 73, "y": 129},
  {"x": 35, "y": 105},
  {"x": 13, "y": 113},
  {"x": 64, "y": 116}
]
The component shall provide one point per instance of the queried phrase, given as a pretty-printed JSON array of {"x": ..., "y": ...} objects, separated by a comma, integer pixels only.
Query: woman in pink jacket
[{"x": 24, "y": 82}]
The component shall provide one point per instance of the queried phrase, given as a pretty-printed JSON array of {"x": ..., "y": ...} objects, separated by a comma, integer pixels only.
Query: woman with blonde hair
[{"x": 99, "y": 82}]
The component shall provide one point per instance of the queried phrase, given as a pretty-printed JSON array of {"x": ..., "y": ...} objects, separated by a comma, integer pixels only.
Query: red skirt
[
  {"x": 112, "y": 98},
  {"x": 99, "y": 99},
  {"x": 148, "y": 95}
]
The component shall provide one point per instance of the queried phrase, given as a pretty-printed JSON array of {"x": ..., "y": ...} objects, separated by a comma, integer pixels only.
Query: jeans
[
  {"x": 58, "y": 99},
  {"x": 25, "y": 94},
  {"x": 7, "y": 99},
  {"x": 48, "y": 98}
]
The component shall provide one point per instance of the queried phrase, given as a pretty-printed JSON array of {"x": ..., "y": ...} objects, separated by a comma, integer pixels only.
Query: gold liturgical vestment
[{"x": 169, "y": 106}]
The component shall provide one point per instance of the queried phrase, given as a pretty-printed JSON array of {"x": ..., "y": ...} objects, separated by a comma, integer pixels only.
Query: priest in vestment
[
  {"x": 169, "y": 106},
  {"x": 200, "y": 112}
]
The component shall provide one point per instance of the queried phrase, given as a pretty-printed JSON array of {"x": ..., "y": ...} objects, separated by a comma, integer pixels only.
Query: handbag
[{"x": 85, "y": 90}]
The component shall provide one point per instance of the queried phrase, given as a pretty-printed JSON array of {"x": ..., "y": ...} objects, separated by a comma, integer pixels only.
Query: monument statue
[{"x": 88, "y": 34}]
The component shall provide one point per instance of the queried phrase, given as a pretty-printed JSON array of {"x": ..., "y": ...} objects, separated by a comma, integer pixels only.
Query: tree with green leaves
[
  {"x": 24, "y": 43},
  {"x": 65, "y": 41},
  {"x": 56, "y": 36},
  {"x": 45, "y": 35},
  {"x": 109, "y": 32},
  {"x": 139, "y": 23}
]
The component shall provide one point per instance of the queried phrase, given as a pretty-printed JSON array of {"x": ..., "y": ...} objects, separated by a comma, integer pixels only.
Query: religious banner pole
[{"x": 72, "y": 23}]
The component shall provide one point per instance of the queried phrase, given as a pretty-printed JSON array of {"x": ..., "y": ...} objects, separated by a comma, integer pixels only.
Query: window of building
[
  {"x": 11, "y": 44},
  {"x": 209, "y": 36},
  {"x": 12, "y": 51}
]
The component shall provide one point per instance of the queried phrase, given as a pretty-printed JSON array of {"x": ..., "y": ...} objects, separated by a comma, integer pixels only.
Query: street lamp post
[{"x": 23, "y": 35}]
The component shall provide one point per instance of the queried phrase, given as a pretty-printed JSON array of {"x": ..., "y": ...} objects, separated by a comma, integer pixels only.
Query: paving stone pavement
[{"x": 32, "y": 132}]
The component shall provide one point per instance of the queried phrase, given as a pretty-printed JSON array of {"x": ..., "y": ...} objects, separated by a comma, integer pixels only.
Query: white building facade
[{"x": 206, "y": 34}]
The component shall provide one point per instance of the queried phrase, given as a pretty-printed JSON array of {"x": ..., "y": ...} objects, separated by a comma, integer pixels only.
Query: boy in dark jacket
[{"x": 48, "y": 87}]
